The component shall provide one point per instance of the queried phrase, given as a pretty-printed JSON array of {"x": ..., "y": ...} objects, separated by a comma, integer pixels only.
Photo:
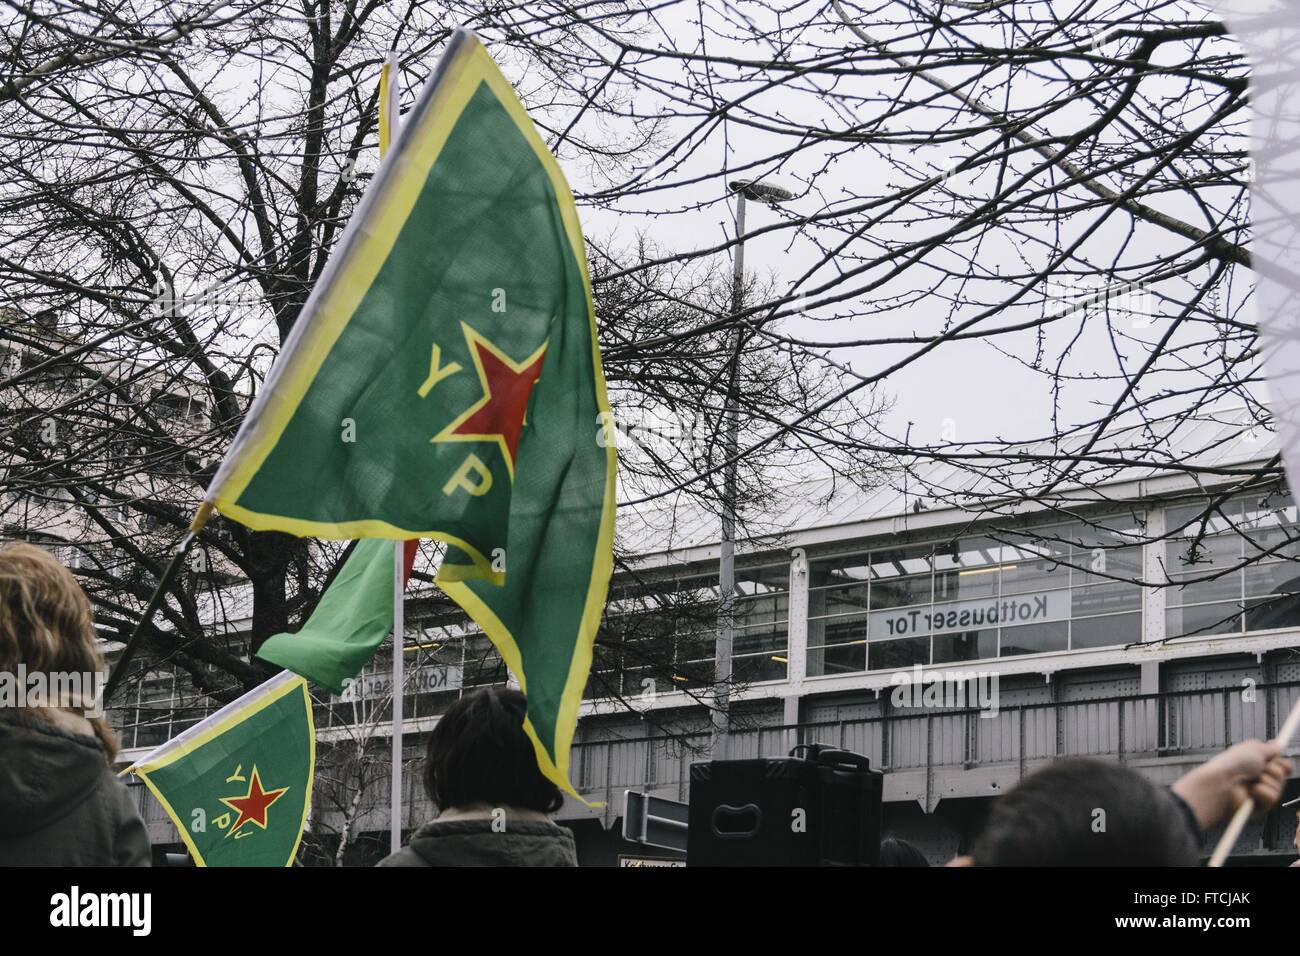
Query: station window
[
  {"x": 1235, "y": 566},
  {"x": 659, "y": 636},
  {"x": 977, "y": 597}
]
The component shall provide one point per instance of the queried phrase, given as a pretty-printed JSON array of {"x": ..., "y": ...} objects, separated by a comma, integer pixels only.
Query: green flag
[
  {"x": 444, "y": 381},
  {"x": 238, "y": 784},
  {"x": 352, "y": 618}
]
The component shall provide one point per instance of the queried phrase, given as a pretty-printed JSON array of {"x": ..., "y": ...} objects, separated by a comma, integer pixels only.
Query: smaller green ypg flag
[
  {"x": 238, "y": 784},
  {"x": 352, "y": 618},
  {"x": 443, "y": 381}
]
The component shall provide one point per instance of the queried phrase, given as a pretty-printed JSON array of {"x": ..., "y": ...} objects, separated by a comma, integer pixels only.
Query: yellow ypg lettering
[
  {"x": 437, "y": 371},
  {"x": 463, "y": 478}
]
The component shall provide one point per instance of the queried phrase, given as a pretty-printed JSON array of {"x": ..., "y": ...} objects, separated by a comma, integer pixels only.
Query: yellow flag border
[
  {"x": 482, "y": 68},
  {"x": 350, "y": 272},
  {"x": 465, "y": 66},
  {"x": 239, "y": 712}
]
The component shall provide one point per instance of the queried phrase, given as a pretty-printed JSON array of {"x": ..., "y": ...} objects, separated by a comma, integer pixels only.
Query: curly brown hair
[{"x": 46, "y": 625}]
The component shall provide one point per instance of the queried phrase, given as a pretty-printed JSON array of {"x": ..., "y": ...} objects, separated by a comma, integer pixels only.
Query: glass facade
[
  {"x": 438, "y": 668},
  {"x": 440, "y": 665},
  {"x": 662, "y": 634},
  {"x": 1234, "y": 567},
  {"x": 761, "y": 621},
  {"x": 158, "y": 708},
  {"x": 1056, "y": 588},
  {"x": 1238, "y": 567}
]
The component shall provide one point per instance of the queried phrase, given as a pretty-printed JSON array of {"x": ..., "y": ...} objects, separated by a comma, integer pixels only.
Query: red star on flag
[
  {"x": 507, "y": 385},
  {"x": 253, "y": 805}
]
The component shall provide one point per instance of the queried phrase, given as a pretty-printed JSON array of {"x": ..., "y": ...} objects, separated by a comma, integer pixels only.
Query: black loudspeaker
[{"x": 821, "y": 808}]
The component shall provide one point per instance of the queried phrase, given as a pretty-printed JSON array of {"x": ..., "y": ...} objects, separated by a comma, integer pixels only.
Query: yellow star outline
[
  {"x": 264, "y": 799},
  {"x": 473, "y": 337}
]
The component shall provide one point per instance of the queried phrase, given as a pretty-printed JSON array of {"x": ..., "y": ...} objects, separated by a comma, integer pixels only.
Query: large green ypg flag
[
  {"x": 238, "y": 784},
  {"x": 444, "y": 381}
]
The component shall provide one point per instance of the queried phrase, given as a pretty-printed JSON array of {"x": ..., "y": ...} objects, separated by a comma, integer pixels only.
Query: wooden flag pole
[
  {"x": 169, "y": 575},
  {"x": 1240, "y": 818}
]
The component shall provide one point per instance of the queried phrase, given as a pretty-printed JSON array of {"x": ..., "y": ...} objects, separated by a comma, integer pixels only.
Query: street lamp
[{"x": 771, "y": 195}]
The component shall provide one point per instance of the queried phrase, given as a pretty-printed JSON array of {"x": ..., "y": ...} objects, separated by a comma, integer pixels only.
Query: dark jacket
[
  {"x": 474, "y": 843},
  {"x": 60, "y": 804}
]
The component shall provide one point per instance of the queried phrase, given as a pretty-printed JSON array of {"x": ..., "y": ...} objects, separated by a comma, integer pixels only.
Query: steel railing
[{"x": 1147, "y": 726}]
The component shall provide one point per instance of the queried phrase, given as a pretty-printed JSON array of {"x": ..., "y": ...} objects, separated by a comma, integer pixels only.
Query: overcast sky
[{"x": 964, "y": 391}]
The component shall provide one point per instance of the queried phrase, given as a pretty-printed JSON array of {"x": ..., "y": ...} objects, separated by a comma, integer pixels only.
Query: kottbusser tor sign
[{"x": 1004, "y": 611}]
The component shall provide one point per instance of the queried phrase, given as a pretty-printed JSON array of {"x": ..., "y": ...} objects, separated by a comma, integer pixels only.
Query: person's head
[
  {"x": 46, "y": 625},
  {"x": 896, "y": 852},
  {"x": 479, "y": 753},
  {"x": 1079, "y": 812}
]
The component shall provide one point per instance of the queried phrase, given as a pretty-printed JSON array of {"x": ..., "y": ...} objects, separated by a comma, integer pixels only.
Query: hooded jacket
[
  {"x": 60, "y": 804},
  {"x": 475, "y": 843}
]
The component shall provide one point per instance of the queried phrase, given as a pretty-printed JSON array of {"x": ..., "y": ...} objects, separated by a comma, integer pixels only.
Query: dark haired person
[
  {"x": 1081, "y": 812},
  {"x": 896, "y": 852},
  {"x": 493, "y": 803},
  {"x": 60, "y": 803}
]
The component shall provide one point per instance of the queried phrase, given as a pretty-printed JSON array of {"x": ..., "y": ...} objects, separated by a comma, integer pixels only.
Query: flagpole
[
  {"x": 159, "y": 593},
  {"x": 389, "y": 97},
  {"x": 399, "y": 562},
  {"x": 1239, "y": 820}
]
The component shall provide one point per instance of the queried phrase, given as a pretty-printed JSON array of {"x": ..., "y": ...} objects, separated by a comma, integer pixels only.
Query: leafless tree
[{"x": 1061, "y": 188}]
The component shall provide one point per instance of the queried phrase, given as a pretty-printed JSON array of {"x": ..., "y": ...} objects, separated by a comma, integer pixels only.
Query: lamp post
[{"x": 719, "y": 743}]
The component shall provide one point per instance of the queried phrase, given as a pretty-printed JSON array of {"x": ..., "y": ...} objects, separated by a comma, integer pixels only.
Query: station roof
[{"x": 1125, "y": 463}]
